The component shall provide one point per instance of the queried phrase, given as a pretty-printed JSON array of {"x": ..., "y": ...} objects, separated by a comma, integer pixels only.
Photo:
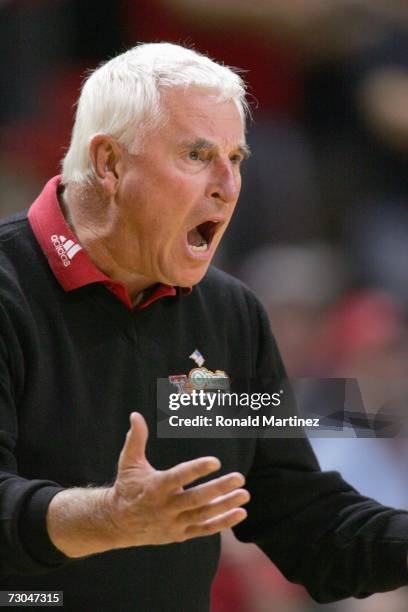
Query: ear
[{"x": 106, "y": 156}]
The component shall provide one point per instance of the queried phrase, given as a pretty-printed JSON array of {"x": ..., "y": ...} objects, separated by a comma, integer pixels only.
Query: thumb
[{"x": 134, "y": 449}]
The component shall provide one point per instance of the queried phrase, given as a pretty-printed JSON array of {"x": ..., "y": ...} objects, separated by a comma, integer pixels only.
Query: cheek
[
  {"x": 238, "y": 184},
  {"x": 170, "y": 192},
  {"x": 183, "y": 188},
  {"x": 178, "y": 203},
  {"x": 158, "y": 207},
  {"x": 131, "y": 186}
]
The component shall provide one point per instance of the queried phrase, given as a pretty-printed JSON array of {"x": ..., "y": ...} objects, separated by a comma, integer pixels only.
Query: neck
[{"x": 93, "y": 225}]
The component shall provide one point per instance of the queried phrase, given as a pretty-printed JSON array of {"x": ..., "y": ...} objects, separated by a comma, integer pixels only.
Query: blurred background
[{"x": 321, "y": 229}]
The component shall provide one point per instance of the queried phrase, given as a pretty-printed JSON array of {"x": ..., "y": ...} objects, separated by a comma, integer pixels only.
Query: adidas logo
[{"x": 66, "y": 249}]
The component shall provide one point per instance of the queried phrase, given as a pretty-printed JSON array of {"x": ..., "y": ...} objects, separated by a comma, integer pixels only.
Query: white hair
[{"x": 122, "y": 98}]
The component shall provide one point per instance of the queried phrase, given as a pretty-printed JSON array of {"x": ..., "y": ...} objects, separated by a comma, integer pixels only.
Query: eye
[
  {"x": 194, "y": 155},
  {"x": 236, "y": 159}
]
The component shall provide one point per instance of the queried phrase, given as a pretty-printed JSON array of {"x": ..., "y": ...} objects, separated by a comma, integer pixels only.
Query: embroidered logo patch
[{"x": 201, "y": 378}]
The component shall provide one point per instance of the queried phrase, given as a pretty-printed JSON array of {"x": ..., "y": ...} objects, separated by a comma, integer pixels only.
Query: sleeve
[
  {"x": 314, "y": 526},
  {"x": 25, "y": 547}
]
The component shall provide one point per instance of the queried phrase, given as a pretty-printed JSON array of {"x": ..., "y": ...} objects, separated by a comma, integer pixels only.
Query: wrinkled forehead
[{"x": 199, "y": 112}]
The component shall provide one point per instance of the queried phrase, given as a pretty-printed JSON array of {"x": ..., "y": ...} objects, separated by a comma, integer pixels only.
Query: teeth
[{"x": 199, "y": 249}]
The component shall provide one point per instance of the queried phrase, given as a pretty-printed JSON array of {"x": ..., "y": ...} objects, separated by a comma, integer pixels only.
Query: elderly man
[{"x": 104, "y": 289}]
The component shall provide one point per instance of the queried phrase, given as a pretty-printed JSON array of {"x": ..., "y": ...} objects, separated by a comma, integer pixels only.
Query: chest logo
[{"x": 201, "y": 378}]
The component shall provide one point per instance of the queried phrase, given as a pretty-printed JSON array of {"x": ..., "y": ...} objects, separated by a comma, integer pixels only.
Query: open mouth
[{"x": 200, "y": 237}]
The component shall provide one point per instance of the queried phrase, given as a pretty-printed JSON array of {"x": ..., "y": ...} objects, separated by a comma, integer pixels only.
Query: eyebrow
[{"x": 205, "y": 145}]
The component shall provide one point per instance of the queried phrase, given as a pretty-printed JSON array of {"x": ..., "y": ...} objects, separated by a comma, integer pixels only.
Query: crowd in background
[{"x": 321, "y": 228}]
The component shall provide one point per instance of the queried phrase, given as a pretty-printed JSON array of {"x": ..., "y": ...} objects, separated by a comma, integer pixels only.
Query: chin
[{"x": 191, "y": 277}]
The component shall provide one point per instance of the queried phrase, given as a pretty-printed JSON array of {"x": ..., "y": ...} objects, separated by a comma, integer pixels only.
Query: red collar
[{"x": 69, "y": 262}]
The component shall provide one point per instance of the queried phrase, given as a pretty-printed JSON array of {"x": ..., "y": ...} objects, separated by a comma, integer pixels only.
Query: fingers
[
  {"x": 134, "y": 449},
  {"x": 154, "y": 503},
  {"x": 185, "y": 473},
  {"x": 215, "y": 525},
  {"x": 210, "y": 507},
  {"x": 203, "y": 494},
  {"x": 216, "y": 507}
]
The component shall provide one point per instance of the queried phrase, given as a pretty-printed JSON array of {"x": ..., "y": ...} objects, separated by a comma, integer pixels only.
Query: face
[{"x": 175, "y": 200}]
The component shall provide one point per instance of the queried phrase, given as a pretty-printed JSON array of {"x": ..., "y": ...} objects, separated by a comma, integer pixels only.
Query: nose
[{"x": 225, "y": 183}]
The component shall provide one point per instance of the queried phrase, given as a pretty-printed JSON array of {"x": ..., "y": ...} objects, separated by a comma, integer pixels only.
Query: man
[{"x": 104, "y": 289}]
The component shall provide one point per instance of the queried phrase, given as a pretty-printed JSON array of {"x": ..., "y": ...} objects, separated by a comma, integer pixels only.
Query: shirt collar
[{"x": 70, "y": 263}]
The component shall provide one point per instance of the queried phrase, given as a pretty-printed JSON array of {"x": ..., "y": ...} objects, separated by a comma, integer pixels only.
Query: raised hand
[{"x": 149, "y": 506}]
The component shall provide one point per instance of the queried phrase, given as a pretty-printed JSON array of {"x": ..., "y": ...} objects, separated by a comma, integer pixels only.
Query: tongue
[{"x": 195, "y": 238}]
